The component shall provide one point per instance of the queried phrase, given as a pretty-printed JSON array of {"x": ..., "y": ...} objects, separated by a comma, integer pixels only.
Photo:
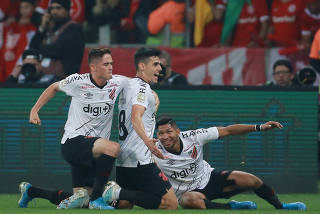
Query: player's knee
[
  {"x": 123, "y": 204},
  {"x": 169, "y": 201},
  {"x": 111, "y": 148},
  {"x": 192, "y": 200}
]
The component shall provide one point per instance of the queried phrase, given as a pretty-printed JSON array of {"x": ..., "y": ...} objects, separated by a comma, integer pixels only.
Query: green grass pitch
[{"x": 8, "y": 204}]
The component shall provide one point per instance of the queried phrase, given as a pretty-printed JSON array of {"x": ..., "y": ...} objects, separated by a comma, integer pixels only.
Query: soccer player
[
  {"x": 85, "y": 143},
  {"x": 195, "y": 182},
  {"x": 142, "y": 183}
]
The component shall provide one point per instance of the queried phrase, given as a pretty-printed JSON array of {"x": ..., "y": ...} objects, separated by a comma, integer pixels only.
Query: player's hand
[
  {"x": 34, "y": 118},
  {"x": 271, "y": 125},
  {"x": 150, "y": 143}
]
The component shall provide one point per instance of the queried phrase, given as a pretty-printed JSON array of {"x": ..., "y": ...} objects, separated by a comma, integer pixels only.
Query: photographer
[
  {"x": 31, "y": 70},
  {"x": 167, "y": 75}
]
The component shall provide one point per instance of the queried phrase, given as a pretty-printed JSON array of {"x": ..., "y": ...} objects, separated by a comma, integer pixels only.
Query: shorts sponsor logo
[{"x": 185, "y": 172}]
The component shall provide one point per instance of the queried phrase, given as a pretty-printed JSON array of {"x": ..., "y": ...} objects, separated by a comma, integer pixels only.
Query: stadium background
[{"x": 287, "y": 158}]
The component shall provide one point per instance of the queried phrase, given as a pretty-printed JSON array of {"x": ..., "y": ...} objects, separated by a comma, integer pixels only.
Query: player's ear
[
  {"x": 92, "y": 67},
  {"x": 141, "y": 66},
  {"x": 178, "y": 131}
]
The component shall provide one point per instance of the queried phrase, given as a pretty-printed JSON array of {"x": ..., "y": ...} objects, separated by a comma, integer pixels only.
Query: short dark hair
[
  {"x": 32, "y": 54},
  {"x": 165, "y": 120},
  {"x": 142, "y": 54},
  {"x": 95, "y": 53},
  {"x": 283, "y": 62}
]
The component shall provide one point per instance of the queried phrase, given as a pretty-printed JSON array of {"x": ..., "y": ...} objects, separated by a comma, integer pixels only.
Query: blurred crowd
[{"x": 59, "y": 29}]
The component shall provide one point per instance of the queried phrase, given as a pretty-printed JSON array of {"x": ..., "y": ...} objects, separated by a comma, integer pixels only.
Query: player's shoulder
[{"x": 75, "y": 78}]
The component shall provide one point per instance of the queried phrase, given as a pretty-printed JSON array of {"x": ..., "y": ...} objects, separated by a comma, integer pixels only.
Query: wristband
[{"x": 258, "y": 128}]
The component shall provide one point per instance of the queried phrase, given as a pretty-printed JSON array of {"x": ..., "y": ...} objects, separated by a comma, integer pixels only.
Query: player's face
[
  {"x": 169, "y": 137},
  {"x": 282, "y": 75},
  {"x": 103, "y": 67},
  {"x": 152, "y": 69}
]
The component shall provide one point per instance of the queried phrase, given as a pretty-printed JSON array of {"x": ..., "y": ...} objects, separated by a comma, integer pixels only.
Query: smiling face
[
  {"x": 169, "y": 137},
  {"x": 101, "y": 69},
  {"x": 149, "y": 69}
]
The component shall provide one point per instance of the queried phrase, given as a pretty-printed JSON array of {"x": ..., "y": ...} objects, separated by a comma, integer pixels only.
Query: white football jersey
[
  {"x": 132, "y": 147},
  {"x": 188, "y": 171},
  {"x": 91, "y": 108}
]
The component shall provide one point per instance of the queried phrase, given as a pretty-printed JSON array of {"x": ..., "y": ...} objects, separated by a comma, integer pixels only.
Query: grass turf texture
[{"x": 9, "y": 204}]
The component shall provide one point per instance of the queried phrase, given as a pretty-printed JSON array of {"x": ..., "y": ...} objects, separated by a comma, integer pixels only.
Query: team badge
[
  {"x": 141, "y": 97},
  {"x": 194, "y": 153},
  {"x": 112, "y": 93},
  {"x": 251, "y": 9},
  {"x": 291, "y": 8}
]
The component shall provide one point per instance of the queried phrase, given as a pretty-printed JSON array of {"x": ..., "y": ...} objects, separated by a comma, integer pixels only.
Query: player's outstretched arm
[
  {"x": 237, "y": 129},
  {"x": 136, "y": 119},
  {"x": 46, "y": 95}
]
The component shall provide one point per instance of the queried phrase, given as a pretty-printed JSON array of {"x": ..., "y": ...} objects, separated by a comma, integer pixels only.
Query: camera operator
[
  {"x": 31, "y": 70},
  {"x": 167, "y": 75}
]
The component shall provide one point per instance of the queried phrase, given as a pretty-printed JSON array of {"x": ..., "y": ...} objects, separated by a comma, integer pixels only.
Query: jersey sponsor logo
[
  {"x": 185, "y": 172},
  {"x": 276, "y": 19},
  {"x": 87, "y": 86},
  {"x": 76, "y": 78},
  {"x": 250, "y": 9},
  {"x": 171, "y": 162},
  {"x": 112, "y": 85},
  {"x": 97, "y": 110},
  {"x": 193, "y": 132},
  {"x": 88, "y": 95}
]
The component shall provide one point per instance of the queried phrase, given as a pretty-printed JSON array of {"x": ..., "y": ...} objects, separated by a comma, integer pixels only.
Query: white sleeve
[
  {"x": 205, "y": 135},
  {"x": 68, "y": 85},
  {"x": 139, "y": 95}
]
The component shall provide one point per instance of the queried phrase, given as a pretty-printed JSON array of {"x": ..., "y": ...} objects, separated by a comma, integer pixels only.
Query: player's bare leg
[{"x": 169, "y": 201}]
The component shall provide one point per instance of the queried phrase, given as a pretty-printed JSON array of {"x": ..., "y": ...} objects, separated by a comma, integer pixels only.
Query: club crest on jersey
[
  {"x": 194, "y": 152},
  {"x": 112, "y": 93},
  {"x": 141, "y": 97}
]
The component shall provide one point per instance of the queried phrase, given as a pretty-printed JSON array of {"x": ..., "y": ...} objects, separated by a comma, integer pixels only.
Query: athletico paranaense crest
[{"x": 194, "y": 153}]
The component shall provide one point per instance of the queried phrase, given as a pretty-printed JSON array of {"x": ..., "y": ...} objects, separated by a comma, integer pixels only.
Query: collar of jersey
[
  {"x": 94, "y": 83},
  {"x": 142, "y": 79}
]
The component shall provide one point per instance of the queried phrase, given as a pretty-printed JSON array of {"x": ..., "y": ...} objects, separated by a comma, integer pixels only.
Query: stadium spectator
[
  {"x": 171, "y": 12},
  {"x": 252, "y": 25},
  {"x": 283, "y": 74},
  {"x": 195, "y": 182},
  {"x": 16, "y": 37},
  {"x": 167, "y": 75},
  {"x": 77, "y": 10},
  {"x": 141, "y": 17},
  {"x": 285, "y": 27},
  {"x": 85, "y": 144},
  {"x": 311, "y": 22},
  {"x": 208, "y": 32},
  {"x": 59, "y": 40},
  {"x": 140, "y": 179},
  {"x": 30, "y": 71}
]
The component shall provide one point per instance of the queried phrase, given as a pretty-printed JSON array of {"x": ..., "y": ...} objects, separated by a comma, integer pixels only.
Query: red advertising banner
[{"x": 224, "y": 66}]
